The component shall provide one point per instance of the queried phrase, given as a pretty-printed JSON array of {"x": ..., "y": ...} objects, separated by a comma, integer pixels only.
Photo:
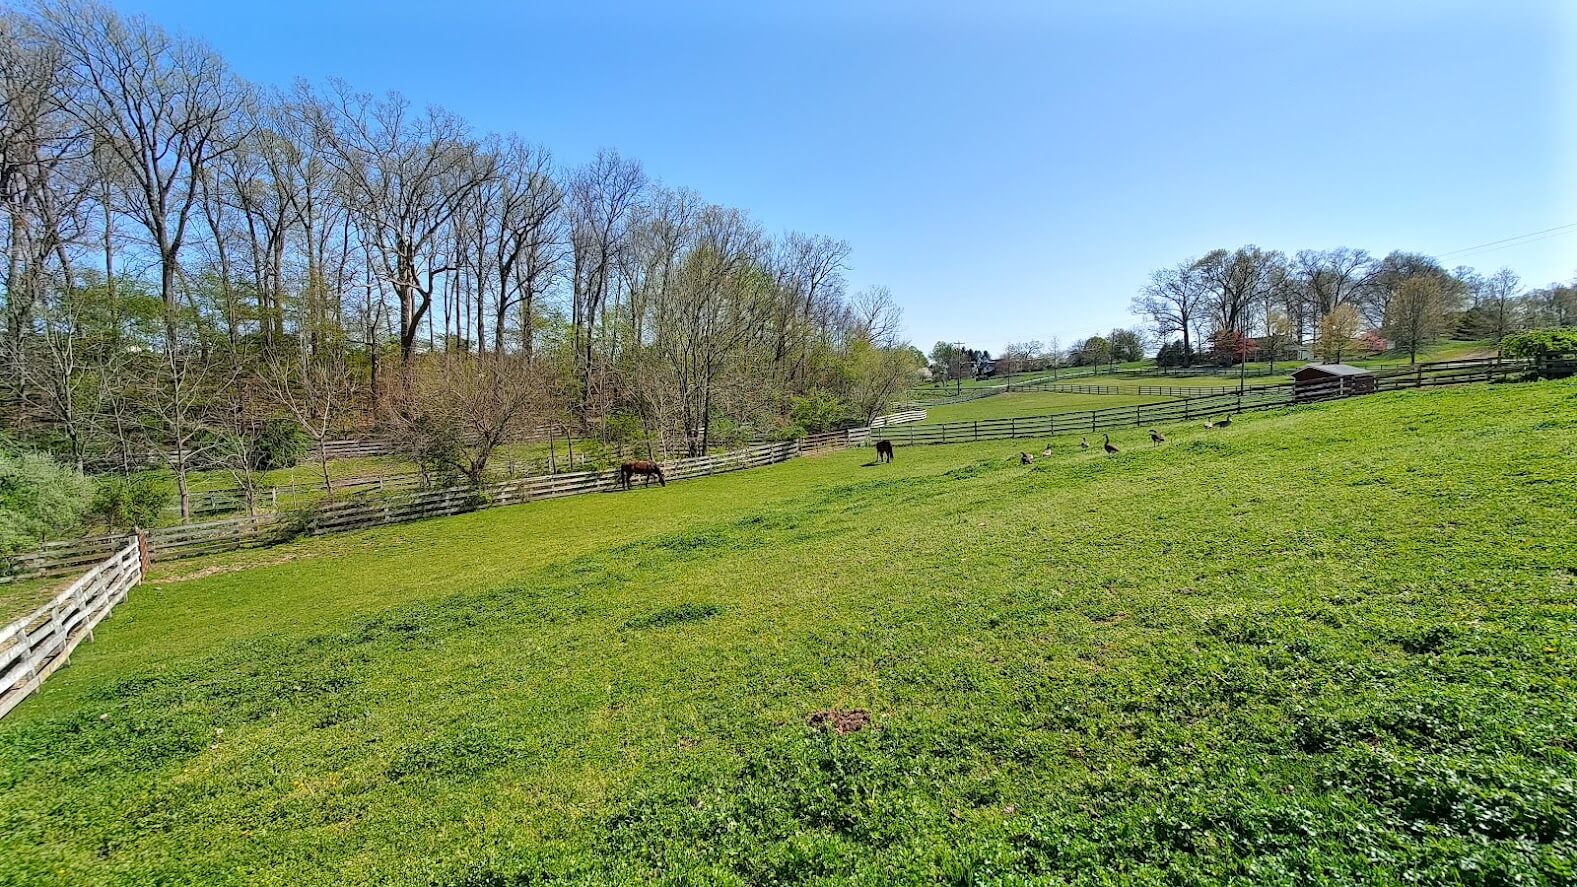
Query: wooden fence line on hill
[
  {"x": 213, "y": 537},
  {"x": 193, "y": 540},
  {"x": 903, "y": 417},
  {"x": 33, "y": 647}
]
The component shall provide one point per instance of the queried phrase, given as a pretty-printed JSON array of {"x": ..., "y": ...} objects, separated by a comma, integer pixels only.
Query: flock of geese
[{"x": 1156, "y": 439}]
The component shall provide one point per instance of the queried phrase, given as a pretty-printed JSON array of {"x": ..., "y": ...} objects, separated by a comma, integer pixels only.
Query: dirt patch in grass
[
  {"x": 840, "y": 721},
  {"x": 218, "y": 569}
]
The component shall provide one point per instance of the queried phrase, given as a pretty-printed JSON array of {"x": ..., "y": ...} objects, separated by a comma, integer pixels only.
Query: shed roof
[{"x": 1330, "y": 369}]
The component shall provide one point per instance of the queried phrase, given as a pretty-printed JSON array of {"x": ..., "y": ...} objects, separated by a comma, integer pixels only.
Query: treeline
[
  {"x": 1232, "y": 305},
  {"x": 189, "y": 257}
]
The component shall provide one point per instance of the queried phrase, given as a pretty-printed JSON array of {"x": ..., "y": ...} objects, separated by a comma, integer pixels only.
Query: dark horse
[
  {"x": 643, "y": 468},
  {"x": 884, "y": 451}
]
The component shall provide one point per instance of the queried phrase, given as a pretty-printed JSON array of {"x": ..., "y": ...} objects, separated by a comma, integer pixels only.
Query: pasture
[
  {"x": 1330, "y": 644},
  {"x": 1030, "y": 403}
]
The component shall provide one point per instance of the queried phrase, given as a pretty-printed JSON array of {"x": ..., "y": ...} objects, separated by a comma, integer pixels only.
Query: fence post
[
  {"x": 144, "y": 555},
  {"x": 975, "y": 433}
]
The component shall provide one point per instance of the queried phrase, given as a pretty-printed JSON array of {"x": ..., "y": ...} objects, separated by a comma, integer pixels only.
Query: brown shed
[{"x": 1321, "y": 380}]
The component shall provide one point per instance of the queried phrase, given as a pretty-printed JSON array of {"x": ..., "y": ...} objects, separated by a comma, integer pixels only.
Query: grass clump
[{"x": 675, "y": 616}]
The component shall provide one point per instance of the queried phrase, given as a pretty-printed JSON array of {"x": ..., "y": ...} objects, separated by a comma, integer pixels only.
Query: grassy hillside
[
  {"x": 1333, "y": 644},
  {"x": 1030, "y": 403}
]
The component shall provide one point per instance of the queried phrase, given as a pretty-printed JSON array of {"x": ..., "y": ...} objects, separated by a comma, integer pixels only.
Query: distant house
[{"x": 1321, "y": 380}]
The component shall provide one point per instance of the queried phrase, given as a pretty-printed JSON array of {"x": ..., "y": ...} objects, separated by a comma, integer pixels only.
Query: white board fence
[
  {"x": 901, "y": 418},
  {"x": 35, "y": 646}
]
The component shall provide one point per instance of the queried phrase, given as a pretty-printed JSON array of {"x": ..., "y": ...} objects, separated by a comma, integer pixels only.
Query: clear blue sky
[{"x": 1010, "y": 170}]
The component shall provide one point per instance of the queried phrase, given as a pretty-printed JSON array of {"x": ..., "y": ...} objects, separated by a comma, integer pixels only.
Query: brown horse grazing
[
  {"x": 884, "y": 451},
  {"x": 642, "y": 467}
]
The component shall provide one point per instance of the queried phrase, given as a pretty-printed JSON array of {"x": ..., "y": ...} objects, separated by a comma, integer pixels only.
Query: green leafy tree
[
  {"x": 1416, "y": 314},
  {"x": 121, "y": 502},
  {"x": 819, "y": 410},
  {"x": 39, "y": 499}
]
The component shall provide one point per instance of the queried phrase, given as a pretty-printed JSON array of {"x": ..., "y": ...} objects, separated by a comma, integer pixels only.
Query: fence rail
[
  {"x": 33, "y": 647},
  {"x": 901, "y": 418},
  {"x": 1182, "y": 409},
  {"x": 1065, "y": 388}
]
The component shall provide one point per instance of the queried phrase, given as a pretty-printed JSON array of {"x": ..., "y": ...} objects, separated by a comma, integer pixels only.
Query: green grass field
[
  {"x": 1334, "y": 644},
  {"x": 21, "y": 597},
  {"x": 1030, "y": 403}
]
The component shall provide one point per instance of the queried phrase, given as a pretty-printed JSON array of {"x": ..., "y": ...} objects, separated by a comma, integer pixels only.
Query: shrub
[
  {"x": 1541, "y": 343},
  {"x": 39, "y": 498},
  {"x": 724, "y": 433},
  {"x": 280, "y": 443},
  {"x": 124, "y": 502},
  {"x": 818, "y": 410}
]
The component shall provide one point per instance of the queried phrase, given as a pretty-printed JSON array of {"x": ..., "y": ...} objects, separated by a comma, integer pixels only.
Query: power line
[{"x": 1508, "y": 240}]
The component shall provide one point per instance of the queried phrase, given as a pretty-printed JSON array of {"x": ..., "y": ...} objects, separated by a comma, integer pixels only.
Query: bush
[
  {"x": 39, "y": 498},
  {"x": 1541, "y": 343},
  {"x": 124, "y": 502},
  {"x": 725, "y": 433},
  {"x": 280, "y": 443},
  {"x": 819, "y": 410}
]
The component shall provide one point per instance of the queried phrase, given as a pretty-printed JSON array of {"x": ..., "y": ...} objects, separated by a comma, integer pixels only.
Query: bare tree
[
  {"x": 1173, "y": 300},
  {"x": 514, "y": 228},
  {"x": 1331, "y": 278},
  {"x": 604, "y": 199},
  {"x": 317, "y": 388},
  {"x": 1499, "y": 296},
  {"x": 403, "y": 176},
  {"x": 159, "y": 106},
  {"x": 462, "y": 408}
]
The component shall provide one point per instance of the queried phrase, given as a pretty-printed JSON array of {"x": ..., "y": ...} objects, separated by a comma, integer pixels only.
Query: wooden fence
[
  {"x": 33, "y": 647},
  {"x": 900, "y": 418},
  {"x": 360, "y": 511},
  {"x": 1183, "y": 409},
  {"x": 1066, "y": 389},
  {"x": 356, "y": 447},
  {"x": 1203, "y": 407},
  {"x": 1144, "y": 390}
]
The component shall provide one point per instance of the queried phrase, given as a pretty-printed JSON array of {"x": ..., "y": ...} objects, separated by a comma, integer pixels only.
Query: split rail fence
[{"x": 35, "y": 646}]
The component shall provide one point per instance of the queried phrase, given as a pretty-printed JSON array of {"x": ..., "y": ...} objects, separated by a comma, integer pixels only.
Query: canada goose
[
  {"x": 1156, "y": 438},
  {"x": 1225, "y": 421},
  {"x": 1046, "y": 451},
  {"x": 1025, "y": 458},
  {"x": 1084, "y": 443},
  {"x": 1209, "y": 424},
  {"x": 1108, "y": 445}
]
